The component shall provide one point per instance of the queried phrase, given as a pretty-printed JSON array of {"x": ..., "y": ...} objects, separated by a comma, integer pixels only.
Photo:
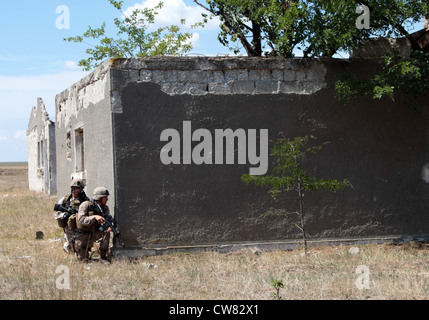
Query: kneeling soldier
[
  {"x": 71, "y": 201},
  {"x": 89, "y": 219}
]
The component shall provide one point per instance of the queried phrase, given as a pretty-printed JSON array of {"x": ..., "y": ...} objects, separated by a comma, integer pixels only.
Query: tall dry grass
[{"x": 34, "y": 269}]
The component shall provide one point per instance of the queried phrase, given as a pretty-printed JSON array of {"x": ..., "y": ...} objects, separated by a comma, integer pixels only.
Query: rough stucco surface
[
  {"x": 219, "y": 76},
  {"x": 380, "y": 146},
  {"x": 41, "y": 175},
  {"x": 86, "y": 105}
]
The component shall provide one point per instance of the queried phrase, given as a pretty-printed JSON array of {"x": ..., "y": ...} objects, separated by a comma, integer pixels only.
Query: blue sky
[{"x": 36, "y": 62}]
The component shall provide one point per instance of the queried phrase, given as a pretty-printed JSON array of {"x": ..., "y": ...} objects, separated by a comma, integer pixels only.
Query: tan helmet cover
[
  {"x": 77, "y": 183},
  {"x": 100, "y": 192}
]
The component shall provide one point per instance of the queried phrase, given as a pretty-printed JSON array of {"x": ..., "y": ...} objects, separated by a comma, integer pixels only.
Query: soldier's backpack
[
  {"x": 71, "y": 223},
  {"x": 62, "y": 222},
  {"x": 63, "y": 219}
]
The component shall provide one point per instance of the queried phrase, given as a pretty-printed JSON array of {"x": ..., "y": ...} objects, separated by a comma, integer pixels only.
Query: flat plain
[{"x": 33, "y": 269}]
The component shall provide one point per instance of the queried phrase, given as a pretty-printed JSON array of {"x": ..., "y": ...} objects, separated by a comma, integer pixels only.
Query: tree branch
[
  {"x": 400, "y": 28},
  {"x": 254, "y": 50}
]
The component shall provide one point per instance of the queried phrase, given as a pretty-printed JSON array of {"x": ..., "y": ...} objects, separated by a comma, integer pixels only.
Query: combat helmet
[
  {"x": 99, "y": 193},
  {"x": 77, "y": 182}
]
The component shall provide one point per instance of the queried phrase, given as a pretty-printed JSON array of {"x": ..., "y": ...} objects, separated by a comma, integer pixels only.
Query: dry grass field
[{"x": 33, "y": 269}]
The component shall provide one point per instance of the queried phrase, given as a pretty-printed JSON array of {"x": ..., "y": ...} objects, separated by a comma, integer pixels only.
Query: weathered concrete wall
[
  {"x": 41, "y": 151},
  {"x": 120, "y": 112},
  {"x": 376, "y": 48},
  {"x": 84, "y": 134},
  {"x": 380, "y": 146}
]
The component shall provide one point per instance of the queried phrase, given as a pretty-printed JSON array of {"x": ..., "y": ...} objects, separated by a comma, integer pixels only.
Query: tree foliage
[
  {"x": 133, "y": 38},
  {"x": 317, "y": 27},
  {"x": 326, "y": 27},
  {"x": 290, "y": 175},
  {"x": 406, "y": 76}
]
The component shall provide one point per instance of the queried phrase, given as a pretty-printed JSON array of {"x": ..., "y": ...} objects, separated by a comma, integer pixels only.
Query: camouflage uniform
[
  {"x": 69, "y": 201},
  {"x": 87, "y": 231}
]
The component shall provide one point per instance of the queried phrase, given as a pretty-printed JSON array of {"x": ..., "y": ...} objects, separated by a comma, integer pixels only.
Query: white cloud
[
  {"x": 71, "y": 65},
  {"x": 173, "y": 11},
  {"x": 21, "y": 135},
  {"x": 18, "y": 94},
  {"x": 195, "y": 40},
  {"x": 171, "y": 14},
  {"x": 9, "y": 58}
]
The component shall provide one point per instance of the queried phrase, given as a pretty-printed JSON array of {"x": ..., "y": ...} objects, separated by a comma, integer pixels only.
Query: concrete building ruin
[
  {"x": 147, "y": 129},
  {"x": 110, "y": 130},
  {"x": 42, "y": 165},
  {"x": 377, "y": 47}
]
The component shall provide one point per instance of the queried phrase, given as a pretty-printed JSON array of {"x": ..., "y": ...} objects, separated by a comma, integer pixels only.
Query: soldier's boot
[
  {"x": 67, "y": 247},
  {"x": 82, "y": 255},
  {"x": 105, "y": 257}
]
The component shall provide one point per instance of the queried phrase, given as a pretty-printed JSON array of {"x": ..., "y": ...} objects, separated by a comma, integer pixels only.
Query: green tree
[
  {"x": 289, "y": 175},
  {"x": 133, "y": 38},
  {"x": 404, "y": 76},
  {"x": 317, "y": 27},
  {"x": 323, "y": 28},
  {"x": 253, "y": 25},
  {"x": 277, "y": 285}
]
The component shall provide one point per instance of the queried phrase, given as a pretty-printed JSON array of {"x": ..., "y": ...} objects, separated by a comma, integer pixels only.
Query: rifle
[
  {"x": 69, "y": 211},
  {"x": 109, "y": 223}
]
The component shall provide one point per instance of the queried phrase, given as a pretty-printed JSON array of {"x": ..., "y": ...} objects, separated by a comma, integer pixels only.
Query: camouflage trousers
[
  {"x": 68, "y": 237},
  {"x": 84, "y": 241}
]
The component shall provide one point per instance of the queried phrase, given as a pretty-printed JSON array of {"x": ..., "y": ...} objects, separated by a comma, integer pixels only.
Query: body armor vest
[
  {"x": 90, "y": 212},
  {"x": 74, "y": 203}
]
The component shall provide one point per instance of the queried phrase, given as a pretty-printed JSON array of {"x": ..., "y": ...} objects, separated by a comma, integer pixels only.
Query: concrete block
[
  {"x": 246, "y": 87},
  {"x": 220, "y": 87},
  {"x": 236, "y": 75},
  {"x": 277, "y": 75},
  {"x": 158, "y": 76},
  {"x": 290, "y": 87},
  {"x": 265, "y": 75},
  {"x": 197, "y": 89},
  {"x": 289, "y": 75},
  {"x": 218, "y": 76},
  {"x": 171, "y": 76},
  {"x": 301, "y": 76},
  {"x": 266, "y": 86},
  {"x": 174, "y": 88},
  {"x": 254, "y": 75},
  {"x": 145, "y": 75},
  {"x": 198, "y": 76}
]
